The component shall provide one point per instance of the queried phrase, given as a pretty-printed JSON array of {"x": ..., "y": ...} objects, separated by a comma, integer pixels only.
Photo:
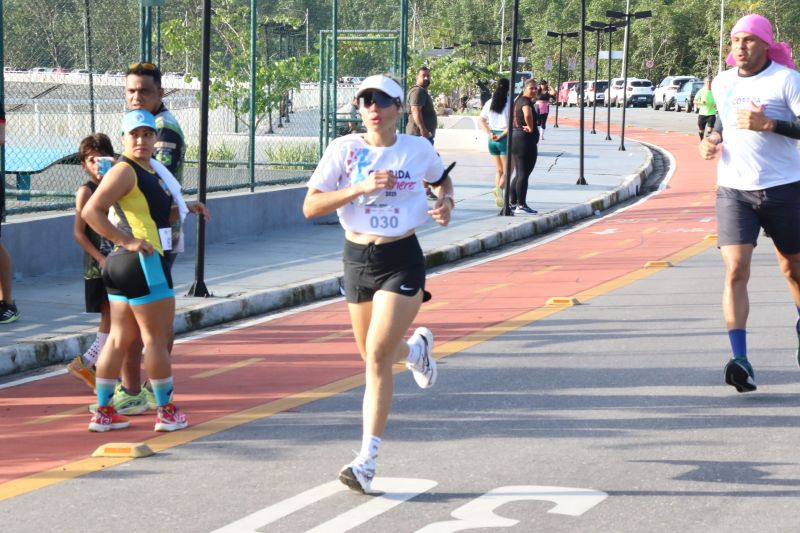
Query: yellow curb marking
[
  {"x": 57, "y": 416},
  {"x": 332, "y": 336},
  {"x": 227, "y": 368},
  {"x": 491, "y": 288},
  {"x": 589, "y": 255},
  {"x": 123, "y": 449}
]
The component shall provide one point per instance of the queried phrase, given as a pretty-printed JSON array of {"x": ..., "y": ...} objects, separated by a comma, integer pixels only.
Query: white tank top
[{"x": 387, "y": 213}]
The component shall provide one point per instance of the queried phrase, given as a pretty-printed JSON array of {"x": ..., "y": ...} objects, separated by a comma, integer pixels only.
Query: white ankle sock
[
  {"x": 91, "y": 355},
  {"x": 369, "y": 446},
  {"x": 414, "y": 350}
]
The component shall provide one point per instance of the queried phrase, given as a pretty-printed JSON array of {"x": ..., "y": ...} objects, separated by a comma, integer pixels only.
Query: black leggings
[{"x": 525, "y": 152}]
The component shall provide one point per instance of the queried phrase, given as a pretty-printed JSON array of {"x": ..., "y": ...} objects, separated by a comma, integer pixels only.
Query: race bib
[
  {"x": 165, "y": 234},
  {"x": 385, "y": 220}
]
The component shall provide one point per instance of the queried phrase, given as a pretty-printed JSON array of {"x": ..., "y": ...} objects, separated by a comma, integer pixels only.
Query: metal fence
[{"x": 63, "y": 80}]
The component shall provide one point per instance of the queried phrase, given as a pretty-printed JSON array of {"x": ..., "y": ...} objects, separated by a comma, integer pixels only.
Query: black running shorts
[
  {"x": 95, "y": 294},
  {"x": 740, "y": 215},
  {"x": 137, "y": 279},
  {"x": 397, "y": 267}
]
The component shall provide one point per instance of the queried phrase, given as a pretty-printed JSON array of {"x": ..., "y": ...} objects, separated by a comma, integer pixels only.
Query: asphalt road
[{"x": 606, "y": 416}]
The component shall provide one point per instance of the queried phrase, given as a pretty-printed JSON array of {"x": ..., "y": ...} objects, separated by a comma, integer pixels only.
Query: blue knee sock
[
  {"x": 105, "y": 390},
  {"x": 738, "y": 338},
  {"x": 162, "y": 390}
]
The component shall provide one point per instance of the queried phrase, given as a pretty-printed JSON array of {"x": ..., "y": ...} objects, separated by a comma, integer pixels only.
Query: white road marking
[
  {"x": 395, "y": 491},
  {"x": 479, "y": 513}
]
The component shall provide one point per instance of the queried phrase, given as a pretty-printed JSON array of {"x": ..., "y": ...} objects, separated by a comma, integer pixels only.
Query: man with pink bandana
[{"x": 758, "y": 174}]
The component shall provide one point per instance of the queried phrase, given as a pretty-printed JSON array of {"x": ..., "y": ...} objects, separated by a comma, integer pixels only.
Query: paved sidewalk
[{"x": 289, "y": 267}]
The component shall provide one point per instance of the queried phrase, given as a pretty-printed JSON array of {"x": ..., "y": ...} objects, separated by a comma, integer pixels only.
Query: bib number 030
[{"x": 384, "y": 221}]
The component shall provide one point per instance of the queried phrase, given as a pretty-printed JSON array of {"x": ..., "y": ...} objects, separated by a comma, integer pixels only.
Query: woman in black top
[{"x": 525, "y": 137}]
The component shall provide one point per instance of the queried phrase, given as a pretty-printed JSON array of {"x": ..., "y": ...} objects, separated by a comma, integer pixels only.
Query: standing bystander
[
  {"x": 524, "y": 147},
  {"x": 494, "y": 121},
  {"x": 8, "y": 308},
  {"x": 143, "y": 90},
  {"x": 543, "y": 95},
  {"x": 96, "y": 153},
  {"x": 422, "y": 120},
  {"x": 758, "y": 174}
]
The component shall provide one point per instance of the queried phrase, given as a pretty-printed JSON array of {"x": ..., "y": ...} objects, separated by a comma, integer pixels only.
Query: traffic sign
[
  {"x": 548, "y": 64},
  {"x": 649, "y": 63}
]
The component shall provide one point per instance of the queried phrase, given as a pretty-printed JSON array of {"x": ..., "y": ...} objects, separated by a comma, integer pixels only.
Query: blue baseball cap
[{"x": 136, "y": 119}]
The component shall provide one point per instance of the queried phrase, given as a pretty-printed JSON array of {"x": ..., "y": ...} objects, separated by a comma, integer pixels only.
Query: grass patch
[
  {"x": 215, "y": 153},
  {"x": 304, "y": 152}
]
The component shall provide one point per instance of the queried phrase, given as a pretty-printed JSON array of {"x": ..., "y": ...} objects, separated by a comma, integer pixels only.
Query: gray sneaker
[{"x": 358, "y": 475}]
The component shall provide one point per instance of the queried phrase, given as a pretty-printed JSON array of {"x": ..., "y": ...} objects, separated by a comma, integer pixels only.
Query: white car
[
  {"x": 664, "y": 95},
  {"x": 612, "y": 93}
]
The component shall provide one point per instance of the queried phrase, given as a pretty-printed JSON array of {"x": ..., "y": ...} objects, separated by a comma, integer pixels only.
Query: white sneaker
[
  {"x": 358, "y": 475},
  {"x": 424, "y": 371}
]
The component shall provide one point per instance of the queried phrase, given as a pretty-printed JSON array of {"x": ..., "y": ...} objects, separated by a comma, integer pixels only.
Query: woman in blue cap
[{"x": 136, "y": 274}]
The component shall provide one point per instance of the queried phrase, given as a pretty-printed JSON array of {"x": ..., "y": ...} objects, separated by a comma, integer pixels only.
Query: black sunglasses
[{"x": 380, "y": 99}]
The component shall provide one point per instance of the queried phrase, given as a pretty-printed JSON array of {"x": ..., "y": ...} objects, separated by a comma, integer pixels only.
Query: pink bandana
[{"x": 761, "y": 28}]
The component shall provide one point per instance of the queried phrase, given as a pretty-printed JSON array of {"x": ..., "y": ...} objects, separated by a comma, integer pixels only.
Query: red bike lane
[{"x": 233, "y": 377}]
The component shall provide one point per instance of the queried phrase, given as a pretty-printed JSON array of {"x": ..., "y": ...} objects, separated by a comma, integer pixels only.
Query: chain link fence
[{"x": 64, "y": 64}]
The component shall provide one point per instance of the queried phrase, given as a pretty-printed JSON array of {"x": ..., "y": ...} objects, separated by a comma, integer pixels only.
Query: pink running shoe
[
  {"x": 170, "y": 418},
  {"x": 106, "y": 418}
]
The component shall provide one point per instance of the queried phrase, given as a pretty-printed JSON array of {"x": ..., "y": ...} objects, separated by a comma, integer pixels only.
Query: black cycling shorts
[
  {"x": 397, "y": 267},
  {"x": 137, "y": 279}
]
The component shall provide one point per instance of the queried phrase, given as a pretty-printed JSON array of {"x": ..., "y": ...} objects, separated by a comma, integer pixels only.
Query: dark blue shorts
[{"x": 741, "y": 215}]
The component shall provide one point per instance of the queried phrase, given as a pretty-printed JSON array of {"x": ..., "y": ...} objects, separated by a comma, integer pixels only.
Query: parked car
[
  {"x": 638, "y": 92},
  {"x": 684, "y": 98},
  {"x": 563, "y": 91},
  {"x": 573, "y": 95},
  {"x": 664, "y": 96},
  {"x": 595, "y": 93},
  {"x": 612, "y": 93}
]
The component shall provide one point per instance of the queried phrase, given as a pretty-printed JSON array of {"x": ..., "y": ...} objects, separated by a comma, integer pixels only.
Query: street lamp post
[
  {"x": 609, "y": 29},
  {"x": 596, "y": 65},
  {"x": 627, "y": 17},
  {"x": 506, "y": 210},
  {"x": 561, "y": 36},
  {"x": 582, "y": 95}
]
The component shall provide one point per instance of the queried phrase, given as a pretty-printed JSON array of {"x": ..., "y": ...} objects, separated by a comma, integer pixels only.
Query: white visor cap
[{"x": 381, "y": 83}]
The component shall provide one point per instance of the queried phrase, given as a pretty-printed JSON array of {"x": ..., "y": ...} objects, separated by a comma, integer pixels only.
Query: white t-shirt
[
  {"x": 388, "y": 213},
  {"x": 497, "y": 121},
  {"x": 757, "y": 160}
]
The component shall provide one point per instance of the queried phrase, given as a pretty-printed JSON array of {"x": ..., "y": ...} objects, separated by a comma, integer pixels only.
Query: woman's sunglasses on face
[{"x": 378, "y": 98}]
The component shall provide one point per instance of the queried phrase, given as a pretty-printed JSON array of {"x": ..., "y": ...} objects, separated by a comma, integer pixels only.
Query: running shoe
[
  {"x": 797, "y": 329},
  {"x": 498, "y": 197},
  {"x": 106, "y": 418},
  {"x": 78, "y": 368},
  {"x": 739, "y": 373},
  {"x": 126, "y": 404},
  {"x": 524, "y": 210},
  {"x": 358, "y": 475},
  {"x": 425, "y": 371},
  {"x": 170, "y": 418},
  {"x": 8, "y": 312}
]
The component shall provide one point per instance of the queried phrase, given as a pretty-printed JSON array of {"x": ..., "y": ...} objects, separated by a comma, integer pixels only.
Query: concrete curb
[{"x": 213, "y": 311}]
